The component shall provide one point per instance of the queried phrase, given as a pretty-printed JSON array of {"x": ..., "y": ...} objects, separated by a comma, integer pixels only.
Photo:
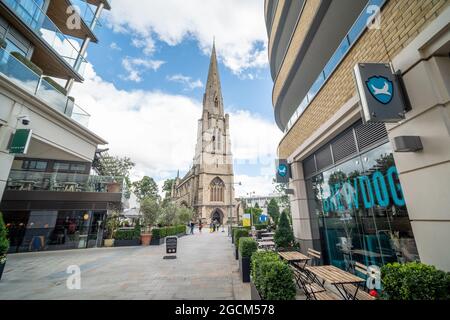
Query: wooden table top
[
  {"x": 334, "y": 275},
  {"x": 267, "y": 244},
  {"x": 268, "y": 234},
  {"x": 293, "y": 256},
  {"x": 266, "y": 239}
]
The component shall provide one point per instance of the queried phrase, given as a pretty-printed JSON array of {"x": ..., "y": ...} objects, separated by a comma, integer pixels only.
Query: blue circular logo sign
[{"x": 282, "y": 170}]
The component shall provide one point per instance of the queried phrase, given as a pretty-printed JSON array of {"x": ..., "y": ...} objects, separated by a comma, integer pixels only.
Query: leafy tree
[
  {"x": 113, "y": 166},
  {"x": 150, "y": 210},
  {"x": 167, "y": 187},
  {"x": 281, "y": 188},
  {"x": 284, "y": 236},
  {"x": 113, "y": 223},
  {"x": 4, "y": 243},
  {"x": 255, "y": 213},
  {"x": 184, "y": 215},
  {"x": 146, "y": 188},
  {"x": 273, "y": 210},
  {"x": 168, "y": 215}
]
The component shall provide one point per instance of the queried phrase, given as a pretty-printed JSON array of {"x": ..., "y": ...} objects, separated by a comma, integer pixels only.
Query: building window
[
  {"x": 34, "y": 165},
  {"x": 217, "y": 190}
]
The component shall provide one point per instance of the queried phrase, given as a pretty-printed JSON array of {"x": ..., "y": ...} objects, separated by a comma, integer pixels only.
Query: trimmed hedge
[
  {"x": 247, "y": 246},
  {"x": 4, "y": 242},
  {"x": 272, "y": 277},
  {"x": 55, "y": 85},
  {"x": 239, "y": 233},
  {"x": 128, "y": 234},
  {"x": 159, "y": 233},
  {"x": 414, "y": 281},
  {"x": 259, "y": 227}
]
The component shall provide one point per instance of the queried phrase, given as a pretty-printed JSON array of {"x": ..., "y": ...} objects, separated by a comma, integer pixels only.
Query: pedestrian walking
[
  {"x": 192, "y": 227},
  {"x": 200, "y": 226},
  {"x": 211, "y": 227}
]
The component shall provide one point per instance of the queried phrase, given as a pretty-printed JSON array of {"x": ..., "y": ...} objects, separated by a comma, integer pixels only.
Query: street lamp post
[{"x": 230, "y": 207}]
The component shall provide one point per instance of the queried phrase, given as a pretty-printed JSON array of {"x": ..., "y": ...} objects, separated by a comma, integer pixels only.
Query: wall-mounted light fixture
[{"x": 407, "y": 144}]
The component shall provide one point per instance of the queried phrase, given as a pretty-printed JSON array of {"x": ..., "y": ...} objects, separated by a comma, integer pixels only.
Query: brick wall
[{"x": 401, "y": 22}]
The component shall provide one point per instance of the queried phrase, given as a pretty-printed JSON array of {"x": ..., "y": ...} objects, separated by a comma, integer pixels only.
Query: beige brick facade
[{"x": 401, "y": 22}]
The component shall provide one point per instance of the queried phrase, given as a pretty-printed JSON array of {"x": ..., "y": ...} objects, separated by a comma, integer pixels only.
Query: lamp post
[{"x": 230, "y": 208}]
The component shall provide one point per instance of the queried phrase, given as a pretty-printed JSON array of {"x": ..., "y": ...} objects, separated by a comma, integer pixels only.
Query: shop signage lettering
[{"x": 366, "y": 192}]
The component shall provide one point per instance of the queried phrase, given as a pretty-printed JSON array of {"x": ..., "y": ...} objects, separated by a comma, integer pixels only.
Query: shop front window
[{"x": 362, "y": 212}]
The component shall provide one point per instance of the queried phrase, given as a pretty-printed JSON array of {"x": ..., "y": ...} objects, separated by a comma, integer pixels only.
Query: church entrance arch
[{"x": 217, "y": 214}]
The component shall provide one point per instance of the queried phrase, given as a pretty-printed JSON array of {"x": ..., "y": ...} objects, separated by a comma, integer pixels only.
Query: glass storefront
[
  {"x": 53, "y": 230},
  {"x": 361, "y": 211}
]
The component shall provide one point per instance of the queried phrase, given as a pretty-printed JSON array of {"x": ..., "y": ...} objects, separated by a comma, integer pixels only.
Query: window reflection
[{"x": 363, "y": 213}]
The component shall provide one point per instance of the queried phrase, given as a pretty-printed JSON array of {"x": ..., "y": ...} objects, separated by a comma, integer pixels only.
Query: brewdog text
[{"x": 366, "y": 192}]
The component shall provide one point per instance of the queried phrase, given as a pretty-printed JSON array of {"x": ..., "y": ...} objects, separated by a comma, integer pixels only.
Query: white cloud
[
  {"x": 158, "y": 131},
  {"x": 135, "y": 67},
  {"x": 187, "y": 82},
  {"x": 147, "y": 43},
  {"x": 261, "y": 185},
  {"x": 238, "y": 26},
  {"x": 115, "y": 46}
]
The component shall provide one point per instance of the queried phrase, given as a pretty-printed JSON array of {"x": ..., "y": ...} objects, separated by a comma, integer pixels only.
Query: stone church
[{"x": 208, "y": 187}]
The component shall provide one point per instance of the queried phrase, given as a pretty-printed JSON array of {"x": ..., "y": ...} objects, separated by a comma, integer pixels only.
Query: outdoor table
[
  {"x": 268, "y": 234},
  {"x": 70, "y": 186},
  {"x": 267, "y": 239},
  {"x": 338, "y": 278},
  {"x": 295, "y": 257},
  {"x": 266, "y": 244}
]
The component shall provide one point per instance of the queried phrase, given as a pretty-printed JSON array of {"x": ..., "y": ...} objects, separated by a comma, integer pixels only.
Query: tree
[
  {"x": 284, "y": 237},
  {"x": 167, "y": 187},
  {"x": 184, "y": 215},
  {"x": 146, "y": 188},
  {"x": 255, "y": 213},
  {"x": 273, "y": 210},
  {"x": 168, "y": 215},
  {"x": 108, "y": 165},
  {"x": 4, "y": 243},
  {"x": 112, "y": 224},
  {"x": 150, "y": 211}
]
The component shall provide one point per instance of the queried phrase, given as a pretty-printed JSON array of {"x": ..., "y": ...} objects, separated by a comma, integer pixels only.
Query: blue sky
[{"x": 145, "y": 82}]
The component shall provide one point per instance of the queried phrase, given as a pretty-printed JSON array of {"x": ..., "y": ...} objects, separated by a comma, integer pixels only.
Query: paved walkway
[{"x": 205, "y": 268}]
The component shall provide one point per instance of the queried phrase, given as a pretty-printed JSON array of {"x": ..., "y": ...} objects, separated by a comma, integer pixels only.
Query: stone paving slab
[{"x": 205, "y": 269}]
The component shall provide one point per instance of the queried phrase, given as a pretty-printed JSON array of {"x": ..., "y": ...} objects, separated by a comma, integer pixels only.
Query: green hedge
[
  {"x": 247, "y": 246},
  {"x": 4, "y": 242},
  {"x": 159, "y": 233},
  {"x": 128, "y": 234},
  {"x": 272, "y": 277},
  {"x": 414, "y": 281},
  {"x": 55, "y": 85},
  {"x": 239, "y": 233},
  {"x": 261, "y": 226}
]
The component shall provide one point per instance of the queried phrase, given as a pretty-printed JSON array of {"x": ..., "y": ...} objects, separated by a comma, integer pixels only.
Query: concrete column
[
  {"x": 306, "y": 229},
  {"x": 425, "y": 175}
]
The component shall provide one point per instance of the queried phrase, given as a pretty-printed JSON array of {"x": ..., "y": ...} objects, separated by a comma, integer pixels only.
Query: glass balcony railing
[
  {"x": 86, "y": 13},
  {"x": 63, "y": 182},
  {"x": 21, "y": 75},
  {"x": 33, "y": 16},
  {"x": 344, "y": 48}
]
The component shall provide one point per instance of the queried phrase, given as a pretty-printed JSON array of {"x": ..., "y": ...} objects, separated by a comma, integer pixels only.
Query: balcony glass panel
[
  {"x": 63, "y": 182},
  {"x": 33, "y": 16},
  {"x": 86, "y": 13},
  {"x": 18, "y": 73}
]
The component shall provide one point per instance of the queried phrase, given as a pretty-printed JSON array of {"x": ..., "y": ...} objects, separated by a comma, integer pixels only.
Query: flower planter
[
  {"x": 2, "y": 267},
  {"x": 108, "y": 243},
  {"x": 254, "y": 294},
  {"x": 157, "y": 241},
  {"x": 244, "y": 268},
  {"x": 146, "y": 239},
  {"x": 127, "y": 243}
]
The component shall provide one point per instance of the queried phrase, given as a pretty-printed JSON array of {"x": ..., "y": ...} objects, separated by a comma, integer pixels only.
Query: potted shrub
[
  {"x": 4, "y": 245},
  {"x": 284, "y": 236},
  {"x": 239, "y": 233},
  {"x": 247, "y": 246},
  {"x": 150, "y": 211},
  {"x": 112, "y": 224},
  {"x": 272, "y": 279},
  {"x": 414, "y": 281},
  {"x": 127, "y": 237},
  {"x": 158, "y": 236}
]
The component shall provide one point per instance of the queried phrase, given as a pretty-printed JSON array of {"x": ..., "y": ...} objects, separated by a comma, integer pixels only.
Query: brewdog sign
[{"x": 365, "y": 192}]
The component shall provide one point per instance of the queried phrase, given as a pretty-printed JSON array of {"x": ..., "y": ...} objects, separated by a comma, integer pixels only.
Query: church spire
[{"x": 213, "y": 101}]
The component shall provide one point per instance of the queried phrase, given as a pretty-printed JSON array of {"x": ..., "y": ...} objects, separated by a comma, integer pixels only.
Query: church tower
[{"x": 208, "y": 188}]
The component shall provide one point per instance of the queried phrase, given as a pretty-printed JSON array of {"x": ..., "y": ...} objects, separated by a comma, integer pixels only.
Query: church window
[
  {"x": 217, "y": 190},
  {"x": 216, "y": 102}
]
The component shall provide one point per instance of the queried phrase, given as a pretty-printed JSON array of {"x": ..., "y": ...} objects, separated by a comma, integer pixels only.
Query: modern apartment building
[
  {"x": 314, "y": 46},
  {"x": 49, "y": 198}
]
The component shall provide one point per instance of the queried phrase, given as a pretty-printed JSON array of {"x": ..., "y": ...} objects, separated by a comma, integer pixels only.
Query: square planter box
[
  {"x": 2, "y": 267},
  {"x": 127, "y": 243},
  {"x": 254, "y": 292},
  {"x": 157, "y": 241},
  {"x": 244, "y": 268},
  {"x": 236, "y": 253}
]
